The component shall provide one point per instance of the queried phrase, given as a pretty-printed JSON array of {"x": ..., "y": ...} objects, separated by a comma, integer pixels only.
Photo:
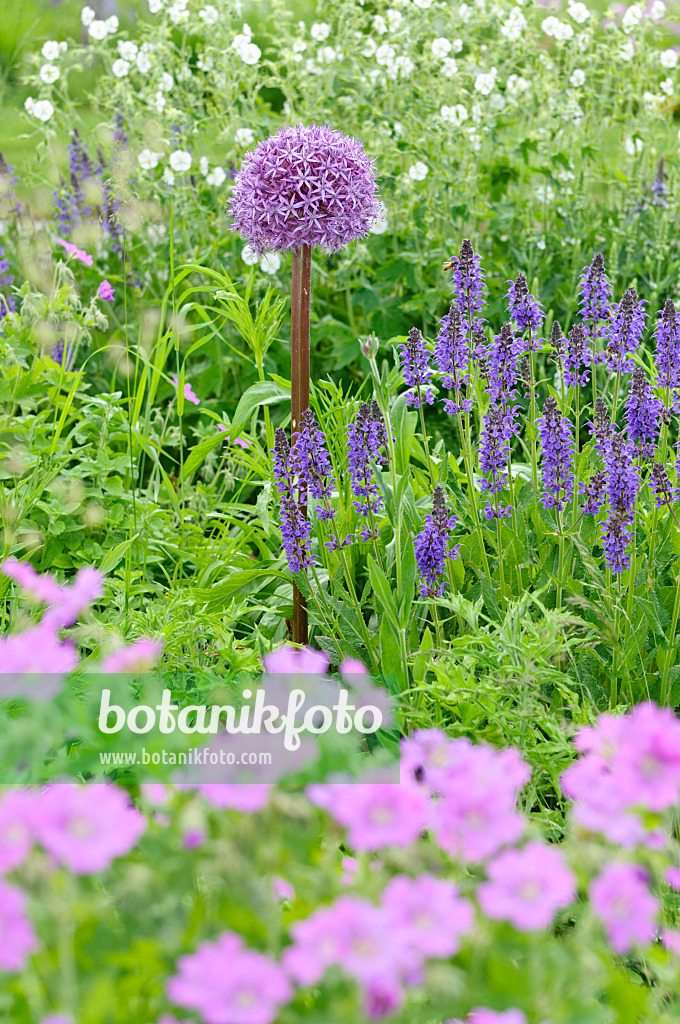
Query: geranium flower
[
  {"x": 105, "y": 292},
  {"x": 76, "y": 253},
  {"x": 188, "y": 391},
  {"x": 17, "y": 938}
]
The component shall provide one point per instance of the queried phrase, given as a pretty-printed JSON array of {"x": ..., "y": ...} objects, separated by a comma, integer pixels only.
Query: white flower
[
  {"x": 454, "y": 115},
  {"x": 398, "y": 128},
  {"x": 87, "y": 16},
  {"x": 270, "y": 262},
  {"x": 449, "y": 67},
  {"x": 627, "y": 51},
  {"x": 633, "y": 146},
  {"x": 579, "y": 12},
  {"x": 51, "y": 50},
  {"x": 557, "y": 29},
  {"x": 486, "y": 83},
  {"x": 49, "y": 74},
  {"x": 394, "y": 19},
  {"x": 249, "y": 256},
  {"x": 178, "y": 12},
  {"x": 209, "y": 15},
  {"x": 379, "y": 25},
  {"x": 667, "y": 86},
  {"x": 144, "y": 62},
  {"x": 379, "y": 226},
  {"x": 385, "y": 55},
  {"x": 42, "y": 109},
  {"x": 544, "y": 193},
  {"x": 476, "y": 113},
  {"x": 244, "y": 137},
  {"x": 464, "y": 12},
  {"x": 127, "y": 49},
  {"x": 120, "y": 68},
  {"x": 204, "y": 166},
  {"x": 657, "y": 10},
  {"x": 205, "y": 63},
  {"x": 370, "y": 47},
  {"x": 159, "y": 102},
  {"x": 402, "y": 68},
  {"x": 184, "y": 72},
  {"x": 326, "y": 54},
  {"x": 111, "y": 24},
  {"x": 668, "y": 58},
  {"x": 147, "y": 159},
  {"x": 513, "y": 27},
  {"x": 418, "y": 171},
  {"x": 98, "y": 30},
  {"x": 29, "y": 104},
  {"x": 216, "y": 177},
  {"x": 250, "y": 54},
  {"x": 423, "y": 4},
  {"x": 497, "y": 101},
  {"x": 540, "y": 244},
  {"x": 650, "y": 99},
  {"x": 457, "y": 45},
  {"x": 155, "y": 6},
  {"x": 63, "y": 47},
  {"x": 440, "y": 46},
  {"x": 167, "y": 82},
  {"x": 517, "y": 84},
  {"x": 299, "y": 46},
  {"x": 312, "y": 68},
  {"x": 578, "y": 78},
  {"x": 180, "y": 160},
  {"x": 168, "y": 177},
  {"x": 631, "y": 18},
  {"x": 320, "y": 31}
]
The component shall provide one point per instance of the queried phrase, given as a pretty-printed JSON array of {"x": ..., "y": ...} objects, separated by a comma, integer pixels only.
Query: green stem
[
  {"x": 424, "y": 436},
  {"x": 669, "y": 658}
]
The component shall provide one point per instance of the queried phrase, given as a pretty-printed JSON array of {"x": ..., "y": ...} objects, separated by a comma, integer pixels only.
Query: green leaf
[
  {"x": 404, "y": 422},
  {"x": 198, "y": 454},
  {"x": 408, "y": 581},
  {"x": 263, "y": 393},
  {"x": 114, "y": 556},
  {"x": 382, "y": 590}
]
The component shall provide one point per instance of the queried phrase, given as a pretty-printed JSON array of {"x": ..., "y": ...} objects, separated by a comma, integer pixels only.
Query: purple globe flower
[{"x": 305, "y": 186}]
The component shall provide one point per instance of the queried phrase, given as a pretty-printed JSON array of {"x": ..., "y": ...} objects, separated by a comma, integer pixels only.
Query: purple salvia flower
[
  {"x": 659, "y": 187},
  {"x": 622, "y": 489},
  {"x": 595, "y": 492},
  {"x": 557, "y": 462},
  {"x": 305, "y": 186},
  {"x": 616, "y": 534},
  {"x": 64, "y": 354},
  {"x": 499, "y": 427},
  {"x": 601, "y": 426},
  {"x": 283, "y": 470},
  {"x": 452, "y": 356},
  {"x": 596, "y": 293},
  {"x": 643, "y": 410},
  {"x": 295, "y": 534},
  {"x": 7, "y": 300},
  {"x": 432, "y": 546},
  {"x": 524, "y": 369},
  {"x": 667, "y": 335},
  {"x": 524, "y": 310},
  {"x": 504, "y": 354},
  {"x": 661, "y": 486},
  {"x": 576, "y": 356},
  {"x": 468, "y": 280},
  {"x": 624, "y": 331},
  {"x": 557, "y": 342},
  {"x": 311, "y": 464},
  {"x": 417, "y": 370},
  {"x": 364, "y": 444}
]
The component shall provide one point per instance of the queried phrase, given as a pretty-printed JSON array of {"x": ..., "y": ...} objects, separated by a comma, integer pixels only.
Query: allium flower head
[{"x": 305, "y": 185}]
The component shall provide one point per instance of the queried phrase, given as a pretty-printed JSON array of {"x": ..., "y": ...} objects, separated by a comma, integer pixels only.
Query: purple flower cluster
[
  {"x": 595, "y": 491},
  {"x": 624, "y": 331},
  {"x": 596, "y": 293},
  {"x": 311, "y": 465},
  {"x": 524, "y": 310},
  {"x": 295, "y": 529},
  {"x": 504, "y": 354},
  {"x": 468, "y": 280},
  {"x": 495, "y": 439},
  {"x": 576, "y": 356},
  {"x": 661, "y": 486},
  {"x": 366, "y": 440},
  {"x": 667, "y": 335},
  {"x": 452, "y": 356},
  {"x": 72, "y": 200},
  {"x": 417, "y": 370},
  {"x": 643, "y": 410},
  {"x": 557, "y": 444},
  {"x": 622, "y": 488},
  {"x": 431, "y": 546},
  {"x": 305, "y": 185}
]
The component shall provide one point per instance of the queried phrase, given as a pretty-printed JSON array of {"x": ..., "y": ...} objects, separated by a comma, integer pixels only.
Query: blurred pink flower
[
  {"x": 87, "y": 587},
  {"x": 139, "y": 656},
  {"x": 86, "y": 827},
  {"x": 17, "y": 938},
  {"x": 242, "y": 442},
  {"x": 17, "y": 807},
  {"x": 621, "y": 899},
  {"x": 58, "y": 1018},
  {"x": 39, "y": 587},
  {"x": 75, "y": 252},
  {"x": 105, "y": 291},
  {"x": 375, "y": 814},
  {"x": 527, "y": 887},
  {"x": 671, "y": 940},
  {"x": 226, "y": 983},
  {"x": 248, "y": 797},
  {"x": 482, "y": 1015},
  {"x": 427, "y": 914},
  {"x": 188, "y": 391},
  {"x": 282, "y": 889},
  {"x": 37, "y": 653},
  {"x": 287, "y": 660},
  {"x": 193, "y": 838}
]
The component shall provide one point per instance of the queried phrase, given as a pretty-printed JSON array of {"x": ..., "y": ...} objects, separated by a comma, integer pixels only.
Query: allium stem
[{"x": 299, "y": 378}]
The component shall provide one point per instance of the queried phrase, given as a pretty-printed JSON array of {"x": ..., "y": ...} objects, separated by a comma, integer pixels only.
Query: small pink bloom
[
  {"x": 75, "y": 252},
  {"x": 105, "y": 291},
  {"x": 86, "y": 827},
  {"x": 427, "y": 914},
  {"x": 621, "y": 899},
  {"x": 17, "y": 807},
  {"x": 282, "y": 889},
  {"x": 39, "y": 587},
  {"x": 527, "y": 887},
  {"x": 242, "y": 442},
  {"x": 287, "y": 660},
  {"x": 672, "y": 876},
  {"x": 58, "y": 1018},
  {"x": 247, "y": 797},
  {"x": 375, "y": 814},
  {"x": 193, "y": 838},
  {"x": 671, "y": 941},
  {"x": 139, "y": 656},
  {"x": 188, "y": 391},
  {"x": 17, "y": 938}
]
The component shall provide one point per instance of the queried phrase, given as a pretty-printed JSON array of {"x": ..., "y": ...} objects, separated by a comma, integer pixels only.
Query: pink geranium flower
[
  {"x": 17, "y": 808},
  {"x": 245, "y": 797},
  {"x": 105, "y": 291},
  {"x": 76, "y": 253},
  {"x": 138, "y": 656},
  {"x": 527, "y": 887},
  {"x": 620, "y": 897},
  {"x": 86, "y": 827},
  {"x": 428, "y": 914},
  {"x": 188, "y": 391},
  {"x": 287, "y": 660},
  {"x": 242, "y": 442},
  {"x": 375, "y": 814},
  {"x": 226, "y": 983},
  {"x": 17, "y": 938}
]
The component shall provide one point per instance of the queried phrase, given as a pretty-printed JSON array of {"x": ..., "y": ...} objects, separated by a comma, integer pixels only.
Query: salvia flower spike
[
  {"x": 432, "y": 546},
  {"x": 557, "y": 443}
]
